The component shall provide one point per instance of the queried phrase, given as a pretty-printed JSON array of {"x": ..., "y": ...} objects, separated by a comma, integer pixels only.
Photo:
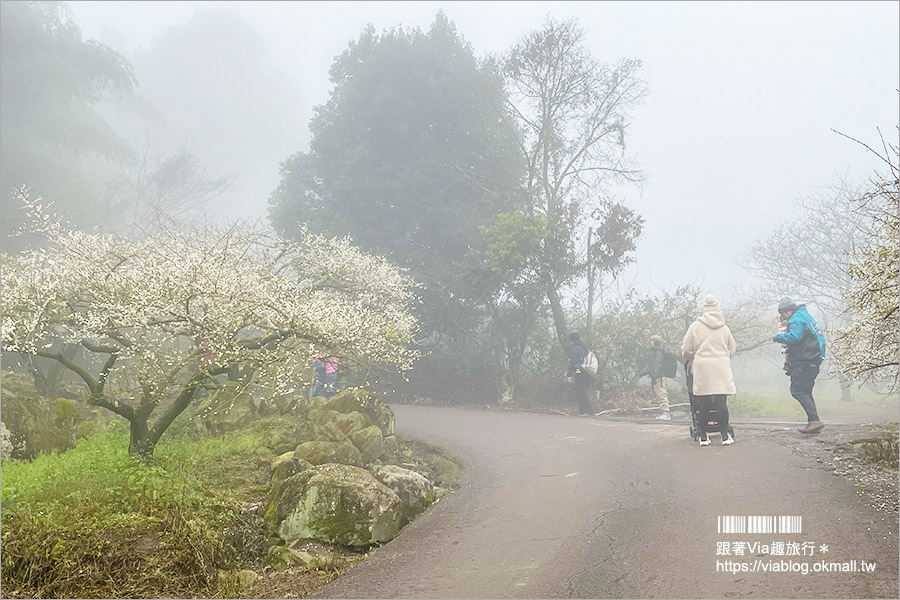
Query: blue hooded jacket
[{"x": 802, "y": 337}]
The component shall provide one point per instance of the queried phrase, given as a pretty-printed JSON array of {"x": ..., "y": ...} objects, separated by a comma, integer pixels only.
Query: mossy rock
[
  {"x": 319, "y": 453},
  {"x": 281, "y": 459},
  {"x": 355, "y": 421},
  {"x": 231, "y": 584},
  {"x": 229, "y": 408},
  {"x": 282, "y": 403},
  {"x": 358, "y": 400},
  {"x": 332, "y": 432},
  {"x": 36, "y": 424},
  {"x": 335, "y": 504},
  {"x": 302, "y": 404},
  {"x": 414, "y": 489},
  {"x": 390, "y": 449},
  {"x": 346, "y": 422},
  {"x": 369, "y": 442},
  {"x": 282, "y": 557},
  {"x": 303, "y": 431},
  {"x": 298, "y": 404},
  {"x": 286, "y": 466}
]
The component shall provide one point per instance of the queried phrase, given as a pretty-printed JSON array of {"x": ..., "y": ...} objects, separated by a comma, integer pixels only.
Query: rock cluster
[
  {"x": 337, "y": 485},
  {"x": 33, "y": 424}
]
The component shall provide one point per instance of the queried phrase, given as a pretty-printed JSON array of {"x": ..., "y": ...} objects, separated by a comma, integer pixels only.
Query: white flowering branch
[{"x": 165, "y": 313}]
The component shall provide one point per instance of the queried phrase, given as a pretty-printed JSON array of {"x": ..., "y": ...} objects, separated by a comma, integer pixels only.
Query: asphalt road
[{"x": 552, "y": 506}]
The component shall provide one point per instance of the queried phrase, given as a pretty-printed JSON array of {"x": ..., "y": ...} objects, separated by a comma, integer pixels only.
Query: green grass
[
  {"x": 772, "y": 398},
  {"x": 94, "y": 522}
]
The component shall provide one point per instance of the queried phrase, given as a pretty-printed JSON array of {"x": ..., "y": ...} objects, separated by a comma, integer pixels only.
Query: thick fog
[
  {"x": 260, "y": 258},
  {"x": 738, "y": 124}
]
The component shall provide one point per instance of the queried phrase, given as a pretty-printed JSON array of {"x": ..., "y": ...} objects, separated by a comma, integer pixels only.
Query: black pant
[
  {"x": 583, "y": 387},
  {"x": 704, "y": 404},
  {"x": 803, "y": 378}
]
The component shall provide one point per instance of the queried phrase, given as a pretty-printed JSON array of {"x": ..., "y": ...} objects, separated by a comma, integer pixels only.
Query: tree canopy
[
  {"x": 164, "y": 314},
  {"x": 869, "y": 347},
  {"x": 571, "y": 112},
  {"x": 409, "y": 158}
]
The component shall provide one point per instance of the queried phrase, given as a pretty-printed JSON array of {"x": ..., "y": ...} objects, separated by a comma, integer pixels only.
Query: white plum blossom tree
[
  {"x": 170, "y": 311},
  {"x": 870, "y": 347}
]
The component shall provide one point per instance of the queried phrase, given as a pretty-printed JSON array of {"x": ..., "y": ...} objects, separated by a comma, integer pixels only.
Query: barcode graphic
[{"x": 760, "y": 524}]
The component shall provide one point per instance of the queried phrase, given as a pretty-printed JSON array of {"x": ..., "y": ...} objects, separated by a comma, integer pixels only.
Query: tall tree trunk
[
  {"x": 589, "y": 326},
  {"x": 514, "y": 366},
  {"x": 559, "y": 317},
  {"x": 140, "y": 445}
]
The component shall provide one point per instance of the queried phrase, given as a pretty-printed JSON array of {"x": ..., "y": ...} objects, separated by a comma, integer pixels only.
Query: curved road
[{"x": 552, "y": 507}]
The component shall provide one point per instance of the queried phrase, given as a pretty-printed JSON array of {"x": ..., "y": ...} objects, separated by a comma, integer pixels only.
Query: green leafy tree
[
  {"x": 571, "y": 112},
  {"x": 408, "y": 158},
  {"x": 511, "y": 256}
]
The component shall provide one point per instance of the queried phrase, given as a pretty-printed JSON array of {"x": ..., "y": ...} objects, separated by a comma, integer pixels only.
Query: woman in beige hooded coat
[{"x": 709, "y": 345}]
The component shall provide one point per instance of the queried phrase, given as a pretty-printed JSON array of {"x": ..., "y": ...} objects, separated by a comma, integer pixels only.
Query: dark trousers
[
  {"x": 583, "y": 387},
  {"x": 324, "y": 386},
  {"x": 803, "y": 378},
  {"x": 704, "y": 404}
]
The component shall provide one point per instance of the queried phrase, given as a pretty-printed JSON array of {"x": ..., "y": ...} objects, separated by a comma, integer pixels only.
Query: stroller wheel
[{"x": 694, "y": 433}]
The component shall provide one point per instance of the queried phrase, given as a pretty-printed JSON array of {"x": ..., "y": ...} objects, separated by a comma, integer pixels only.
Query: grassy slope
[{"x": 95, "y": 522}]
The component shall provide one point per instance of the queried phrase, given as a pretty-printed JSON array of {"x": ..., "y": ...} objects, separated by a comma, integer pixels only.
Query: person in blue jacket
[{"x": 805, "y": 353}]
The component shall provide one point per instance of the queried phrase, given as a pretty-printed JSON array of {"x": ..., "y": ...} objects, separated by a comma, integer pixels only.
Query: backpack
[
  {"x": 669, "y": 365},
  {"x": 589, "y": 363}
]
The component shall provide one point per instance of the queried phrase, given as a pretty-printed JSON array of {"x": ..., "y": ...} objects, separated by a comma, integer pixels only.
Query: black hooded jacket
[{"x": 577, "y": 352}]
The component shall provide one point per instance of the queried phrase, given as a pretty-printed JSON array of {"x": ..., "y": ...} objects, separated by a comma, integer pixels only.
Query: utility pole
[{"x": 590, "y": 303}]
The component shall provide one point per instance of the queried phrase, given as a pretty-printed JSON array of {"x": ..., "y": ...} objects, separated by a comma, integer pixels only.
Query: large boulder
[
  {"x": 329, "y": 431},
  {"x": 322, "y": 452},
  {"x": 287, "y": 439},
  {"x": 336, "y": 504},
  {"x": 368, "y": 441},
  {"x": 346, "y": 422},
  {"x": 414, "y": 489},
  {"x": 229, "y": 408},
  {"x": 354, "y": 421},
  {"x": 299, "y": 405},
  {"x": 287, "y": 465},
  {"x": 358, "y": 400},
  {"x": 35, "y": 424}
]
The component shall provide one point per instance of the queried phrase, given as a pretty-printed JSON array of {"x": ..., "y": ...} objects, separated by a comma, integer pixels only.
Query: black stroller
[{"x": 712, "y": 423}]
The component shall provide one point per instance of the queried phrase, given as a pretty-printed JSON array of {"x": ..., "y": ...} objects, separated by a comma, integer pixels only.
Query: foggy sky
[{"x": 743, "y": 97}]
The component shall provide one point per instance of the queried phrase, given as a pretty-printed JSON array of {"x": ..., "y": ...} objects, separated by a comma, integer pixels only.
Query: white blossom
[
  {"x": 870, "y": 347},
  {"x": 203, "y": 299}
]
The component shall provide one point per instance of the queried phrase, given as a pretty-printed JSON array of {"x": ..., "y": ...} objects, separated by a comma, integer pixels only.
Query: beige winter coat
[{"x": 709, "y": 343}]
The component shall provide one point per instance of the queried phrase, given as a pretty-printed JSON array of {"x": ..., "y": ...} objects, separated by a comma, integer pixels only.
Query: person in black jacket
[
  {"x": 583, "y": 380},
  {"x": 660, "y": 366}
]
